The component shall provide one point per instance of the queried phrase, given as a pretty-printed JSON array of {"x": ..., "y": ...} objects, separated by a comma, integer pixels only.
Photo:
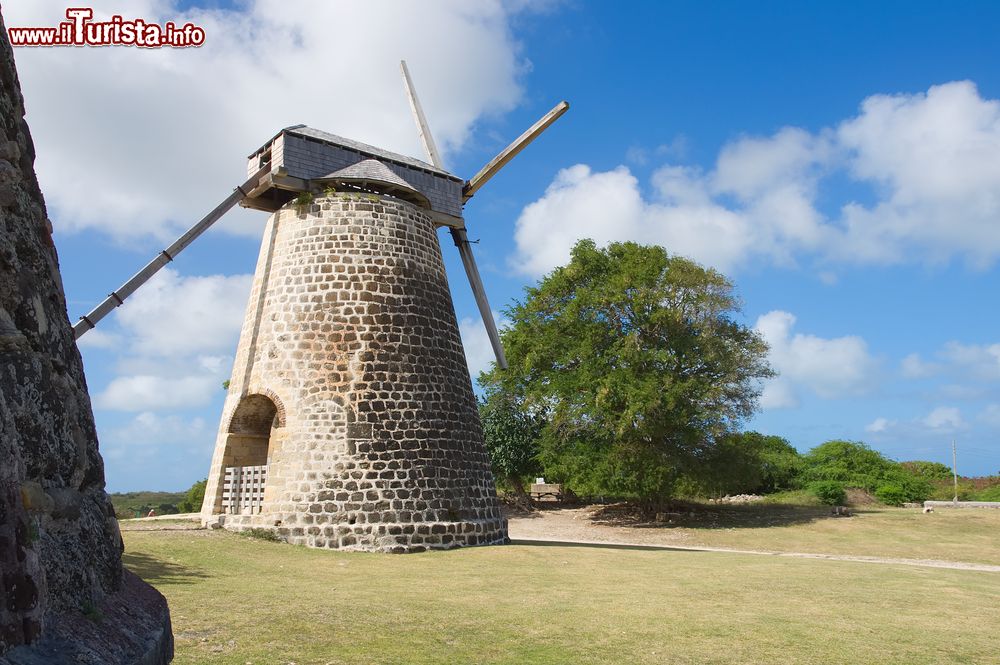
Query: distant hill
[{"x": 138, "y": 504}]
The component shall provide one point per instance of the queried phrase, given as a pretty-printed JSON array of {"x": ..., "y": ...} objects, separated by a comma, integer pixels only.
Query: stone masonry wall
[
  {"x": 351, "y": 332},
  {"x": 59, "y": 542}
]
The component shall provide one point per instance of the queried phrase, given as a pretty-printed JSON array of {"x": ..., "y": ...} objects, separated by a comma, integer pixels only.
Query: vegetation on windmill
[{"x": 640, "y": 363}]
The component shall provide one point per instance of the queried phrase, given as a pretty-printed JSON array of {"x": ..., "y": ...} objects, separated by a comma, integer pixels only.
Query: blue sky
[{"x": 840, "y": 162}]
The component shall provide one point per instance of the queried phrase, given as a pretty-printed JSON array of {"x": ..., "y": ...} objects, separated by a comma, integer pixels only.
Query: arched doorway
[{"x": 248, "y": 454}]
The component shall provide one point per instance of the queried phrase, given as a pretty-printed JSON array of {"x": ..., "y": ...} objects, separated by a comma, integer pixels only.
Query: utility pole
[{"x": 954, "y": 467}]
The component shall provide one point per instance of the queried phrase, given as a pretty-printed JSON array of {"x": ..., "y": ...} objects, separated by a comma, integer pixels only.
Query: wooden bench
[{"x": 546, "y": 492}]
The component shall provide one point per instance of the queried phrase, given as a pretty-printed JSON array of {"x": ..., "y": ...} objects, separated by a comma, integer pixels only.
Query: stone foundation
[{"x": 350, "y": 381}]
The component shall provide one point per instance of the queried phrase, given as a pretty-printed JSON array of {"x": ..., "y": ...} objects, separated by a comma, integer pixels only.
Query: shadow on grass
[
  {"x": 159, "y": 572},
  {"x": 701, "y": 516}
]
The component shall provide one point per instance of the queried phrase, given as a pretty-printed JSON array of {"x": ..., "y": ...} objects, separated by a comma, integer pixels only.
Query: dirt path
[{"x": 575, "y": 526}]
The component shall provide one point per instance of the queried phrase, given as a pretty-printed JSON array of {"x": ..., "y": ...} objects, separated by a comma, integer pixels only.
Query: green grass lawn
[
  {"x": 966, "y": 535},
  {"x": 236, "y": 600}
]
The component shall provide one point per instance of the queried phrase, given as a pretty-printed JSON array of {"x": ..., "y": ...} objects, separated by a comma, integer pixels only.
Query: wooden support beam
[
  {"x": 262, "y": 186},
  {"x": 472, "y": 272},
  {"x": 289, "y": 183}
]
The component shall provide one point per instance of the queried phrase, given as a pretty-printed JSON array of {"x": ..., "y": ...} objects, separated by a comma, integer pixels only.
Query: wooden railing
[{"x": 243, "y": 490}]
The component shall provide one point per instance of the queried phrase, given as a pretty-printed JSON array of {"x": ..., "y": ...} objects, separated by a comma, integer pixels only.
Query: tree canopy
[
  {"x": 511, "y": 435},
  {"x": 194, "y": 498},
  {"x": 747, "y": 463},
  {"x": 639, "y": 361}
]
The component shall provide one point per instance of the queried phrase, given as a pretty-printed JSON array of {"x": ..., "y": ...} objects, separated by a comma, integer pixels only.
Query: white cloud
[
  {"x": 990, "y": 415},
  {"x": 914, "y": 367},
  {"x": 754, "y": 167},
  {"x": 944, "y": 418},
  {"x": 778, "y": 394},
  {"x": 609, "y": 207},
  {"x": 156, "y": 393},
  {"x": 147, "y": 431},
  {"x": 157, "y": 137},
  {"x": 99, "y": 339},
  {"x": 979, "y": 361},
  {"x": 929, "y": 158},
  {"x": 578, "y": 204},
  {"x": 935, "y": 156},
  {"x": 879, "y": 425},
  {"x": 174, "y": 341},
  {"x": 830, "y": 368},
  {"x": 173, "y": 315},
  {"x": 967, "y": 372}
]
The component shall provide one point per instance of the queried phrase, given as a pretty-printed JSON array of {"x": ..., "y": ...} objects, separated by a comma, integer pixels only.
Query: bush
[
  {"x": 744, "y": 463},
  {"x": 850, "y": 463},
  {"x": 193, "y": 499},
  {"x": 262, "y": 534},
  {"x": 990, "y": 494},
  {"x": 781, "y": 464},
  {"x": 511, "y": 435},
  {"x": 829, "y": 492},
  {"x": 891, "y": 494},
  {"x": 927, "y": 470}
]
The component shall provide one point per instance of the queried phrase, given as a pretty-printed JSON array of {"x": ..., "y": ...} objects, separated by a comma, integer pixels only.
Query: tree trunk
[{"x": 521, "y": 499}]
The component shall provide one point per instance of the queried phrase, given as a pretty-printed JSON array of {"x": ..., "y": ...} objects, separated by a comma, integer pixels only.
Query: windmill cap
[{"x": 371, "y": 173}]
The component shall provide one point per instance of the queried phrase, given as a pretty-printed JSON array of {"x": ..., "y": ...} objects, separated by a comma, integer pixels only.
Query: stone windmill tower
[{"x": 350, "y": 420}]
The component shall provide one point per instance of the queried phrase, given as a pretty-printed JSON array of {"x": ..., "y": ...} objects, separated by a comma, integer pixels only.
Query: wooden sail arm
[
  {"x": 117, "y": 297},
  {"x": 508, "y": 153}
]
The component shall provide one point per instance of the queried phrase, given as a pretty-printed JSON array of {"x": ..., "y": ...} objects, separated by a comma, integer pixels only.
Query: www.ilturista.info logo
[{"x": 80, "y": 30}]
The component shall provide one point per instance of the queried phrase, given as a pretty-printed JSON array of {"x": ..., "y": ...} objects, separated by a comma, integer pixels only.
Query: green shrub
[
  {"x": 989, "y": 494},
  {"x": 928, "y": 470},
  {"x": 511, "y": 435},
  {"x": 891, "y": 494},
  {"x": 744, "y": 463},
  {"x": 193, "y": 499},
  {"x": 781, "y": 464},
  {"x": 850, "y": 463},
  {"x": 829, "y": 492},
  {"x": 262, "y": 534}
]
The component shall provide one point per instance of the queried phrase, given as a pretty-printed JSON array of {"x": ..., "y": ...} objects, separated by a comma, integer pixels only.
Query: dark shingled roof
[{"x": 363, "y": 148}]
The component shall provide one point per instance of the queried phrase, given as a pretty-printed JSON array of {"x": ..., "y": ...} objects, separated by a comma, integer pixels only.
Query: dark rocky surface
[{"x": 60, "y": 548}]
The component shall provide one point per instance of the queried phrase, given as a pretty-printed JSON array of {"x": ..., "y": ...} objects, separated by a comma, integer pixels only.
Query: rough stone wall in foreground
[
  {"x": 60, "y": 549},
  {"x": 373, "y": 441}
]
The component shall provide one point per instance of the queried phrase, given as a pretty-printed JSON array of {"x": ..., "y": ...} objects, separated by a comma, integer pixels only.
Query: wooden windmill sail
[{"x": 350, "y": 420}]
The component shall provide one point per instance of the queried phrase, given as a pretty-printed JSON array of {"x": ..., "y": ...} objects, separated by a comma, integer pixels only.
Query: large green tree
[{"x": 639, "y": 361}]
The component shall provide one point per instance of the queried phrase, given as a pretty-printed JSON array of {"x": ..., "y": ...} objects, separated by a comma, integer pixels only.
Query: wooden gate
[{"x": 243, "y": 491}]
